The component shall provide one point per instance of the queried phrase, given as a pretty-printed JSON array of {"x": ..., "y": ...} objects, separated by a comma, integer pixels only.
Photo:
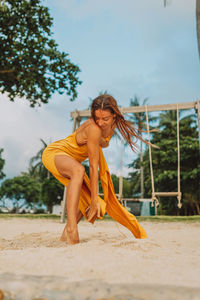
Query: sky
[{"x": 126, "y": 47}]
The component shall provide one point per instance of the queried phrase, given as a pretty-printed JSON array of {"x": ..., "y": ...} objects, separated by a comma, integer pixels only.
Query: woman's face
[{"x": 104, "y": 118}]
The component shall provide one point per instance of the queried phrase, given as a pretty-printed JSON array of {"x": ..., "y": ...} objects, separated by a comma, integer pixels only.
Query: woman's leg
[
  {"x": 70, "y": 168},
  {"x": 64, "y": 236},
  {"x": 79, "y": 216}
]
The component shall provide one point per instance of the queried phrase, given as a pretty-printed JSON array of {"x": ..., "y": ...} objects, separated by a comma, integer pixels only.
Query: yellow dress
[{"x": 110, "y": 204}]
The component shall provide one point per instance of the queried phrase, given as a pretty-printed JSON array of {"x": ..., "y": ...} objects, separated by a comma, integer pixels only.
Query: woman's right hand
[{"x": 93, "y": 212}]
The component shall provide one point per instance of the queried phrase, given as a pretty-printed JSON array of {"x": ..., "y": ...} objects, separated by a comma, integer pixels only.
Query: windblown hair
[{"x": 126, "y": 128}]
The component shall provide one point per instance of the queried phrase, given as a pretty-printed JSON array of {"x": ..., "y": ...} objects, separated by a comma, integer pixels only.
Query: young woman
[{"x": 63, "y": 159}]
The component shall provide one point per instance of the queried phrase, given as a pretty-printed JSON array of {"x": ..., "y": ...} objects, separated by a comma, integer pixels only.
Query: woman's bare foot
[
  {"x": 70, "y": 235},
  {"x": 63, "y": 237}
]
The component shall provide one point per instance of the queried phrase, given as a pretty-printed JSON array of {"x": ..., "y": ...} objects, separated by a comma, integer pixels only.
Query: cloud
[
  {"x": 114, "y": 153},
  {"x": 23, "y": 127}
]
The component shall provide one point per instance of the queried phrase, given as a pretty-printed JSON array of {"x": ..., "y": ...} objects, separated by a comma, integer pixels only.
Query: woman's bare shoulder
[
  {"x": 93, "y": 128},
  {"x": 88, "y": 125},
  {"x": 87, "y": 130}
]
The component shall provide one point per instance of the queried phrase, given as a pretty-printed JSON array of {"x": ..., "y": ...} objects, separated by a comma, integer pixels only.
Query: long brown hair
[{"x": 126, "y": 128}]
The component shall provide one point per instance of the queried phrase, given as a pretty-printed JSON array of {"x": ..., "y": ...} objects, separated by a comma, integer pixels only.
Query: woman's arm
[{"x": 93, "y": 139}]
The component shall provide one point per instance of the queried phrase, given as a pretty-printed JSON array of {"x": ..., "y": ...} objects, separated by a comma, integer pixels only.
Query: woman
[{"x": 63, "y": 159}]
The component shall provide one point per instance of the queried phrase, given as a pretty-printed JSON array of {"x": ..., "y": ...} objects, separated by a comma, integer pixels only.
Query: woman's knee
[
  {"x": 68, "y": 167},
  {"x": 76, "y": 173},
  {"x": 79, "y": 172}
]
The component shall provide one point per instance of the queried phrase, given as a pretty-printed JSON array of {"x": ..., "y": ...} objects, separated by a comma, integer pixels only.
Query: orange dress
[{"x": 110, "y": 204}]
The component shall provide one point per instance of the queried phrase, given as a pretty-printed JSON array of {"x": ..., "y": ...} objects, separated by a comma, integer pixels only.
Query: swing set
[
  {"x": 78, "y": 115},
  {"x": 177, "y": 194}
]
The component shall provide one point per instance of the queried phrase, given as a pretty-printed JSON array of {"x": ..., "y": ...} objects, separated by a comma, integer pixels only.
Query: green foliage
[
  {"x": 127, "y": 187},
  {"x": 138, "y": 119},
  {"x": 52, "y": 192},
  {"x": 115, "y": 181},
  {"x": 2, "y": 163},
  {"x": 31, "y": 65},
  {"x": 36, "y": 167},
  {"x": 51, "y": 188},
  {"x": 22, "y": 190}
]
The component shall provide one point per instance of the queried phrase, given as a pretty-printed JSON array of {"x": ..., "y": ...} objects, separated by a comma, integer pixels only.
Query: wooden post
[
  {"x": 141, "y": 173},
  {"x": 63, "y": 205},
  {"x": 120, "y": 187},
  {"x": 78, "y": 120},
  {"x": 121, "y": 171},
  {"x": 64, "y": 201},
  {"x": 198, "y": 115}
]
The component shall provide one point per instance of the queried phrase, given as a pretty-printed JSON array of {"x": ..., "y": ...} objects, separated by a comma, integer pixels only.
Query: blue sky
[{"x": 126, "y": 47}]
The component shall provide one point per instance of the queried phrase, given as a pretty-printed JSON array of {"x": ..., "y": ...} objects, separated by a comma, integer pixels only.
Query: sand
[{"x": 108, "y": 255}]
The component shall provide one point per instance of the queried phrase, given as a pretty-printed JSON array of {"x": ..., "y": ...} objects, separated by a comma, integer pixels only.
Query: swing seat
[{"x": 167, "y": 194}]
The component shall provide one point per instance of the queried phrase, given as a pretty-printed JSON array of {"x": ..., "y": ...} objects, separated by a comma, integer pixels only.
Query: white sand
[{"x": 170, "y": 255}]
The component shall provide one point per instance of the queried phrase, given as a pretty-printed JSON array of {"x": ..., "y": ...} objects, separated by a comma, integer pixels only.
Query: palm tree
[
  {"x": 169, "y": 118},
  {"x": 36, "y": 167}
]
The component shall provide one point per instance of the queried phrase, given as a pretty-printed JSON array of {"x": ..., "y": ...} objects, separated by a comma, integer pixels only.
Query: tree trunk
[
  {"x": 121, "y": 171},
  {"x": 185, "y": 210},
  {"x": 17, "y": 208},
  {"x": 50, "y": 208},
  {"x": 198, "y": 208},
  {"x": 198, "y": 23},
  {"x": 141, "y": 172}
]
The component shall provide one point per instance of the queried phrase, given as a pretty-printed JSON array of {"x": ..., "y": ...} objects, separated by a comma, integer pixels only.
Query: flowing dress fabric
[{"x": 110, "y": 204}]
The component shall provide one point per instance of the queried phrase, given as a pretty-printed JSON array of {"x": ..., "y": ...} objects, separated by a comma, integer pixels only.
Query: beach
[{"x": 108, "y": 259}]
